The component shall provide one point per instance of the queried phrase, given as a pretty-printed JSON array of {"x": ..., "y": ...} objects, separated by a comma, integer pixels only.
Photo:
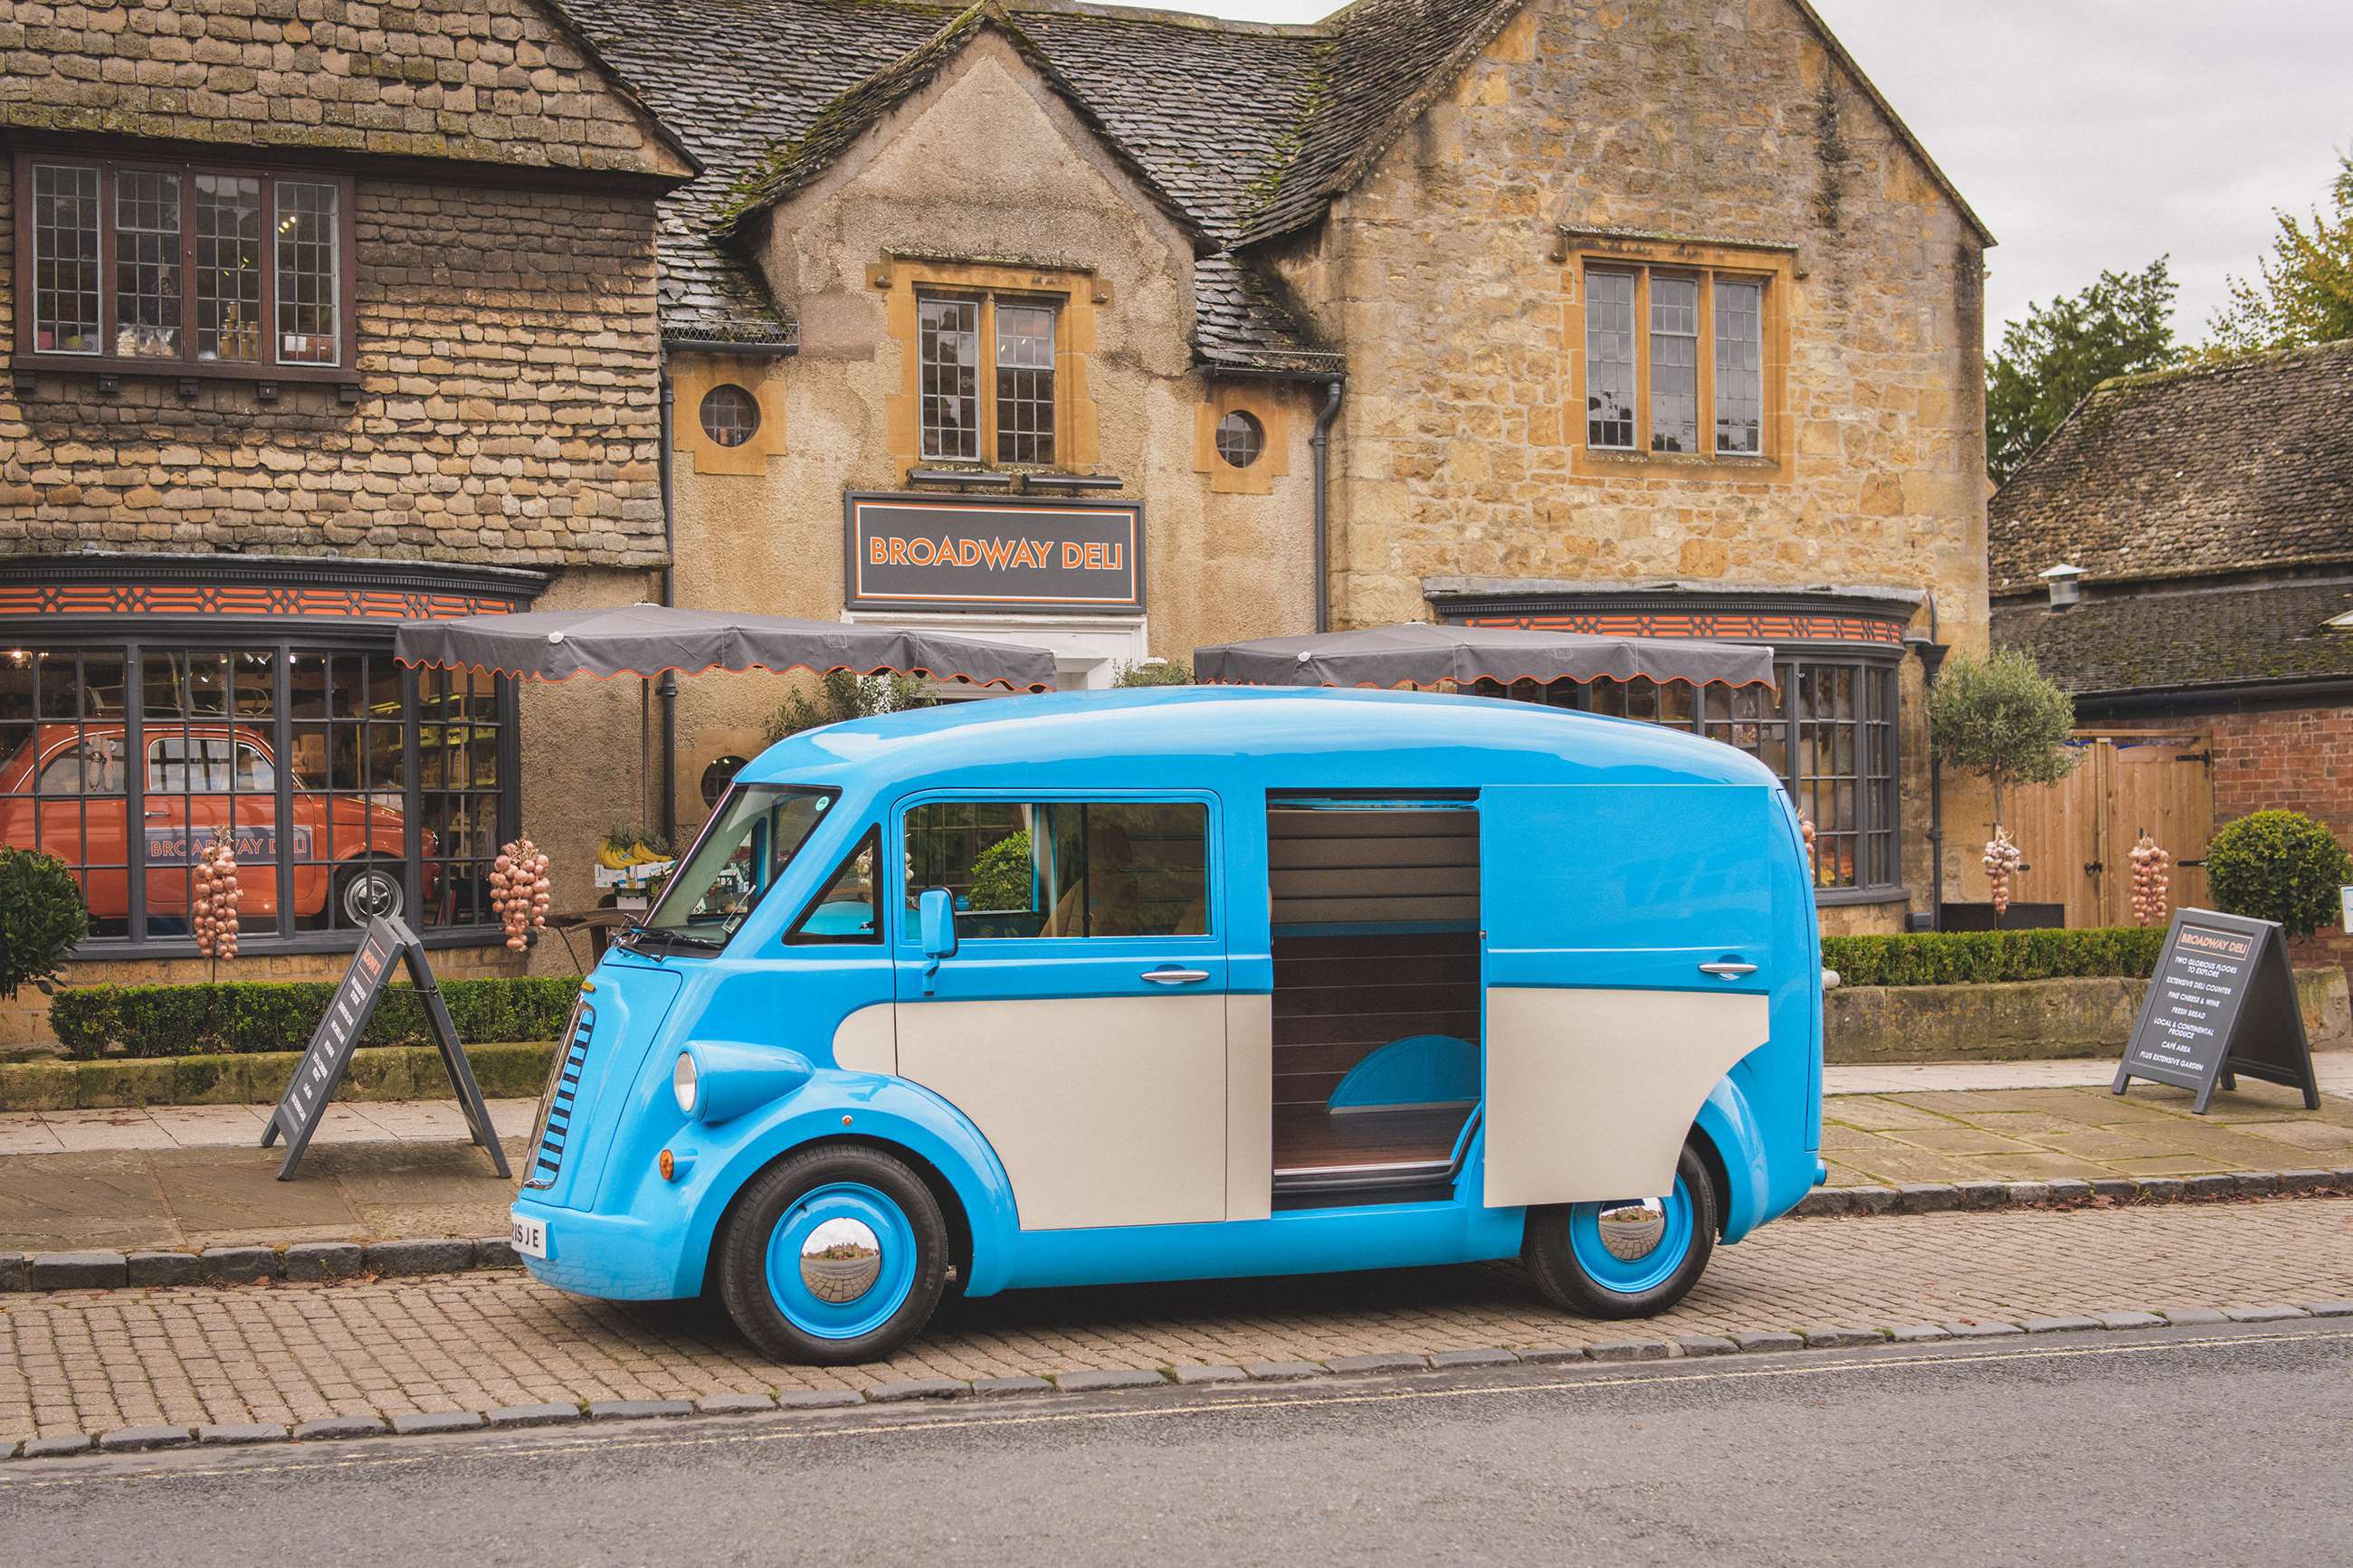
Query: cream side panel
[
  {"x": 1591, "y": 1093},
  {"x": 867, "y": 1041},
  {"x": 1105, "y": 1111},
  {"x": 1250, "y": 1107}
]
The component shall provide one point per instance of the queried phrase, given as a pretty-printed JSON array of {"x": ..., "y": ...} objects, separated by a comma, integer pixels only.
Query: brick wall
[
  {"x": 2290, "y": 759},
  {"x": 508, "y": 358}
]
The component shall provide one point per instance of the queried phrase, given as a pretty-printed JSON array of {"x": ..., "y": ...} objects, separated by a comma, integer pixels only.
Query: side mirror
[{"x": 936, "y": 923}]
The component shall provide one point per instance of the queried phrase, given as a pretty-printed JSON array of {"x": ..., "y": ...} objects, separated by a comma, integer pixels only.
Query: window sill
[
  {"x": 1831, "y": 898},
  {"x": 1605, "y": 460},
  {"x": 121, "y": 949},
  {"x": 27, "y": 362}
]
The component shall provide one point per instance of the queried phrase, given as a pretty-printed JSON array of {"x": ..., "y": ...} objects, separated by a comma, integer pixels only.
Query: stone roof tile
[
  {"x": 2187, "y": 639},
  {"x": 2232, "y": 467}
]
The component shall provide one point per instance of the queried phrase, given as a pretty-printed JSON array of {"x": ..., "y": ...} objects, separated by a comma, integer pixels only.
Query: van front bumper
[{"x": 616, "y": 1257}]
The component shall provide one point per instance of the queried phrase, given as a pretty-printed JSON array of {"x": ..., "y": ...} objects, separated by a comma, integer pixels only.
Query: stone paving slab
[{"x": 362, "y": 1352}]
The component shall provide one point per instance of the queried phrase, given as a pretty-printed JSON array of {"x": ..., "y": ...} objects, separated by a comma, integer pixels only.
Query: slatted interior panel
[
  {"x": 1332, "y": 867},
  {"x": 1338, "y": 997}
]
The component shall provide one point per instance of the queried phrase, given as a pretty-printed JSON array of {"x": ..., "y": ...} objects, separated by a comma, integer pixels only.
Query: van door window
[
  {"x": 1065, "y": 868},
  {"x": 844, "y": 911}
]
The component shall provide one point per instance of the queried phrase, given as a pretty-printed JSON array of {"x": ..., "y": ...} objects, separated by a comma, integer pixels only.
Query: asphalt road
[{"x": 2164, "y": 1448}]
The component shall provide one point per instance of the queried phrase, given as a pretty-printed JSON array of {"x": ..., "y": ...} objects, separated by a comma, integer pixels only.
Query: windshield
[{"x": 745, "y": 847}]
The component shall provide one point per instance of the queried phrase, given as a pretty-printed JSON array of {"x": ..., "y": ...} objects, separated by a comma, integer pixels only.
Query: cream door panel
[
  {"x": 867, "y": 1041},
  {"x": 1591, "y": 1093},
  {"x": 1250, "y": 1107},
  {"x": 1105, "y": 1109}
]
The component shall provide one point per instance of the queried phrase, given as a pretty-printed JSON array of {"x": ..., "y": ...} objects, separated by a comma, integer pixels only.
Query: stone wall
[
  {"x": 508, "y": 362},
  {"x": 499, "y": 81},
  {"x": 1443, "y": 277},
  {"x": 2027, "y": 1020}
]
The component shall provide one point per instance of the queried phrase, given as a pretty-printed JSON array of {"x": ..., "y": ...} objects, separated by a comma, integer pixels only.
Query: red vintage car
[{"x": 199, "y": 778}]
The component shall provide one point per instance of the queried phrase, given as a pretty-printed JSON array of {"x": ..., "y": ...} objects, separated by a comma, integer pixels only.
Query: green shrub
[
  {"x": 1975, "y": 957},
  {"x": 1003, "y": 877},
  {"x": 41, "y": 918},
  {"x": 92, "y": 1021},
  {"x": 1153, "y": 672},
  {"x": 2278, "y": 865}
]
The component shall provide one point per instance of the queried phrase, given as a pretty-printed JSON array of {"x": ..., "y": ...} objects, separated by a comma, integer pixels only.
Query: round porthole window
[
  {"x": 1241, "y": 438},
  {"x": 718, "y": 776},
  {"x": 730, "y": 414}
]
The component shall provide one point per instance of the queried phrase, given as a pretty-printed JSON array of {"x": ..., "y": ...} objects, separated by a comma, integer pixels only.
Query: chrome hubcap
[
  {"x": 841, "y": 1261},
  {"x": 1632, "y": 1230}
]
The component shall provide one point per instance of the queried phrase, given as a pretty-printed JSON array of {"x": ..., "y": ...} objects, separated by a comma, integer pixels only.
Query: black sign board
[
  {"x": 2222, "y": 1002},
  {"x": 383, "y": 947},
  {"x": 955, "y": 553}
]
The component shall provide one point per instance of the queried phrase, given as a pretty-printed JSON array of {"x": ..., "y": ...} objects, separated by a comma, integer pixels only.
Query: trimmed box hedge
[
  {"x": 1975, "y": 957},
  {"x": 93, "y": 1021}
]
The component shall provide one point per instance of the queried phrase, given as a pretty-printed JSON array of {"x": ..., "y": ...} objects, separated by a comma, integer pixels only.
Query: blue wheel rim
[
  {"x": 1633, "y": 1277},
  {"x": 810, "y": 1312}
]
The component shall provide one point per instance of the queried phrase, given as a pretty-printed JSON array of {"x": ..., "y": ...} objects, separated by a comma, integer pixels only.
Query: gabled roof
[
  {"x": 2237, "y": 466},
  {"x": 793, "y": 164}
]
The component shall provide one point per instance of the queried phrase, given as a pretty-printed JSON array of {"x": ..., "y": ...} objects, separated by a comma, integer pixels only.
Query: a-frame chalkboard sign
[
  {"x": 383, "y": 947},
  {"x": 2222, "y": 1002}
]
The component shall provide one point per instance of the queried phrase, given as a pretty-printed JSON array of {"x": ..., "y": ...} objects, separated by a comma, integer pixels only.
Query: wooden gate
[{"x": 2077, "y": 834}]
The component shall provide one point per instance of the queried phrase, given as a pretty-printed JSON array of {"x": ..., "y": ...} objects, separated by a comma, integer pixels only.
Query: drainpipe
[
  {"x": 1932, "y": 658},
  {"x": 1320, "y": 444},
  {"x": 668, "y": 592}
]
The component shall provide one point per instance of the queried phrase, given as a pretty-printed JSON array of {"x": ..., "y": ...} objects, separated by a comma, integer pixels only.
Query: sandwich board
[
  {"x": 2221, "y": 1003},
  {"x": 385, "y": 946}
]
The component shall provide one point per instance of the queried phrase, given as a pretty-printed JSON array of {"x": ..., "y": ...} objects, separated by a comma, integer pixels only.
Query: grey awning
[
  {"x": 646, "y": 640},
  {"x": 1415, "y": 654}
]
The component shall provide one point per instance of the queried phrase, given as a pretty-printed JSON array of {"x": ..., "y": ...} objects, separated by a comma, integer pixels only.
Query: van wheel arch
[
  {"x": 1718, "y": 1176},
  {"x": 943, "y": 1193}
]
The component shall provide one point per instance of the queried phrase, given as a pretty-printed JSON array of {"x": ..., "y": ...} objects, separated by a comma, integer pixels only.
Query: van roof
[{"x": 1209, "y": 736}]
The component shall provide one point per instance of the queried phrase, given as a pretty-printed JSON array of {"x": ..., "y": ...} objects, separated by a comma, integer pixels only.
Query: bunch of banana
[{"x": 621, "y": 857}]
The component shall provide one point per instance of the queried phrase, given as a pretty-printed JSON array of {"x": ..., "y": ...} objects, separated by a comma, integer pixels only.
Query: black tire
[
  {"x": 1552, "y": 1257},
  {"x": 771, "y": 1198},
  {"x": 368, "y": 889}
]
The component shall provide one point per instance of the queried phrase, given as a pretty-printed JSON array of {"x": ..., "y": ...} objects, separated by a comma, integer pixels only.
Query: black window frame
[
  {"x": 269, "y": 367},
  {"x": 282, "y": 643}
]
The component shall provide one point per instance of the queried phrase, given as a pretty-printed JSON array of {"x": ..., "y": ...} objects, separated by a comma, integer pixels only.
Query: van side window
[
  {"x": 1065, "y": 868},
  {"x": 845, "y": 910},
  {"x": 203, "y": 763}
]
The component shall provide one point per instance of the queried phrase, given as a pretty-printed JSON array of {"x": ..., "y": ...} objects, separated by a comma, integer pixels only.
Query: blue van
[{"x": 1189, "y": 984}]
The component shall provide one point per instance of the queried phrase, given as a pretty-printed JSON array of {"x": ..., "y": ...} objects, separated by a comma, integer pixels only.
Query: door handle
[
  {"x": 163, "y": 811},
  {"x": 1727, "y": 970},
  {"x": 1176, "y": 976}
]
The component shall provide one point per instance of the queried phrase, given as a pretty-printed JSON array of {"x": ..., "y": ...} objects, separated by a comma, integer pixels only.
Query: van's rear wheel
[
  {"x": 369, "y": 889},
  {"x": 833, "y": 1256},
  {"x": 1628, "y": 1258}
]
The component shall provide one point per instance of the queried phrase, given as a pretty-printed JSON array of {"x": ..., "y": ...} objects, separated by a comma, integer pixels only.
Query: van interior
[{"x": 1376, "y": 1041}]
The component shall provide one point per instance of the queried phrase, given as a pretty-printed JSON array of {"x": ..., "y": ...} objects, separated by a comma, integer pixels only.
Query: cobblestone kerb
[
  {"x": 313, "y": 1261},
  {"x": 1067, "y": 1385}
]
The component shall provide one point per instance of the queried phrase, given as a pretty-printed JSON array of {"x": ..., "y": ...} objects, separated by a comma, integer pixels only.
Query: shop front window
[
  {"x": 1828, "y": 734},
  {"x": 348, "y": 786}
]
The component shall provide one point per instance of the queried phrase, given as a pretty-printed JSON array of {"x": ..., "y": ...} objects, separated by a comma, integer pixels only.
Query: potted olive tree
[
  {"x": 42, "y": 917},
  {"x": 2002, "y": 719}
]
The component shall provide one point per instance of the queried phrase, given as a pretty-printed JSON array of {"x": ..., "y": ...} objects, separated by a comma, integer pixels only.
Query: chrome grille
[{"x": 556, "y": 1106}]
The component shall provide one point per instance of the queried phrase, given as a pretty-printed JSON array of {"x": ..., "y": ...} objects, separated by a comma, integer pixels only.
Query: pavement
[
  {"x": 178, "y": 1177},
  {"x": 2158, "y": 1448},
  {"x": 449, "y": 1349}
]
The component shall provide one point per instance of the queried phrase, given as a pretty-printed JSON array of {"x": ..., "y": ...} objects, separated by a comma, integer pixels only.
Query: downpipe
[
  {"x": 668, "y": 591},
  {"x": 1319, "y": 445}
]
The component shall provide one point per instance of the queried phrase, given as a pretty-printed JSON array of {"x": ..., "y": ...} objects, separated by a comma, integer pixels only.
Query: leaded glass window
[
  {"x": 1674, "y": 365},
  {"x": 1610, "y": 360},
  {"x": 1739, "y": 366},
  {"x": 1025, "y": 383},
  {"x": 310, "y": 291},
  {"x": 948, "y": 363},
  {"x": 64, "y": 259}
]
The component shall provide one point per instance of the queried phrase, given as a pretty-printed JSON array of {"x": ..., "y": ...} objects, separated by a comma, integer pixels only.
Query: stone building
[
  {"x": 1548, "y": 311},
  {"x": 2199, "y": 523}
]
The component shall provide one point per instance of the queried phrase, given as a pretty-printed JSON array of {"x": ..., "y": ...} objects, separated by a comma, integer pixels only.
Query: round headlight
[{"x": 682, "y": 1082}]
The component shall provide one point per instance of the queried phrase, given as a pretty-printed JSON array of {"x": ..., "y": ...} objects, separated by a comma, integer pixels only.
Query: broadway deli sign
[{"x": 954, "y": 553}]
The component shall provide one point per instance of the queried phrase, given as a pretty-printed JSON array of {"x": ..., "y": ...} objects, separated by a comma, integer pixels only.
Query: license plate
[{"x": 530, "y": 1235}]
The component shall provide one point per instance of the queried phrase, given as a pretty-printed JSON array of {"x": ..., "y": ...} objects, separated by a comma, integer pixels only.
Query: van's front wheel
[
  {"x": 1628, "y": 1258},
  {"x": 834, "y": 1255}
]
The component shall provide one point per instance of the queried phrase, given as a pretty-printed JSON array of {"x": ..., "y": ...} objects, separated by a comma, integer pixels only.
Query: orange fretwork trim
[
  {"x": 153, "y": 599},
  {"x": 1779, "y": 626}
]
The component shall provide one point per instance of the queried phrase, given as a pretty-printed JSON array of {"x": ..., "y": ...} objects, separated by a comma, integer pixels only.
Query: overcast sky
[{"x": 2095, "y": 134}]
